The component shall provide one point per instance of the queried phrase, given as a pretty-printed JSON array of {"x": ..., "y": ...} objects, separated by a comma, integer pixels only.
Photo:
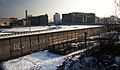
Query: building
[
  {"x": 57, "y": 18},
  {"x": 97, "y": 20},
  {"x": 110, "y": 20},
  {"x": 7, "y": 21},
  {"x": 21, "y": 22},
  {"x": 77, "y": 18},
  {"x": 114, "y": 20},
  {"x": 41, "y": 20}
]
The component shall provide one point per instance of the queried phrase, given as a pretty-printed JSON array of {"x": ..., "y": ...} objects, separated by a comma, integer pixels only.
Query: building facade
[
  {"x": 110, "y": 20},
  {"x": 41, "y": 20},
  {"x": 77, "y": 18},
  {"x": 97, "y": 20},
  {"x": 7, "y": 21},
  {"x": 57, "y": 18}
]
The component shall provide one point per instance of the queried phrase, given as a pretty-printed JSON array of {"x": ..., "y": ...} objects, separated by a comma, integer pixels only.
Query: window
[{"x": 85, "y": 18}]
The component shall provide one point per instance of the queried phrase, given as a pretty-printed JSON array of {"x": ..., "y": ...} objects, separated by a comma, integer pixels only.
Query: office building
[
  {"x": 41, "y": 20},
  {"x": 77, "y": 18},
  {"x": 57, "y": 18}
]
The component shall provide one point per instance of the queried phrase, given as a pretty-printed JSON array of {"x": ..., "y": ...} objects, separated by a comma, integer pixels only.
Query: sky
[{"x": 16, "y": 8}]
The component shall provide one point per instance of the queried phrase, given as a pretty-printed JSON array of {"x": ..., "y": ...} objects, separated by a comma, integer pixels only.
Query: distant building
[
  {"x": 110, "y": 20},
  {"x": 77, "y": 18},
  {"x": 114, "y": 20},
  {"x": 97, "y": 20},
  {"x": 7, "y": 21},
  {"x": 19, "y": 23},
  {"x": 41, "y": 20},
  {"x": 57, "y": 18}
]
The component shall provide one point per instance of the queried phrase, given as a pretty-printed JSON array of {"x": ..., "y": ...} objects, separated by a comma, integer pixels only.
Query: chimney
[{"x": 26, "y": 14}]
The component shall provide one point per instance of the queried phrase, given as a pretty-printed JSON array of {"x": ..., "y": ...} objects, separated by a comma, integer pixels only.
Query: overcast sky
[{"x": 15, "y": 8}]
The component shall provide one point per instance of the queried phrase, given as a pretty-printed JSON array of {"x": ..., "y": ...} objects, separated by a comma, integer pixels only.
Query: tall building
[
  {"x": 57, "y": 18},
  {"x": 41, "y": 20},
  {"x": 77, "y": 18}
]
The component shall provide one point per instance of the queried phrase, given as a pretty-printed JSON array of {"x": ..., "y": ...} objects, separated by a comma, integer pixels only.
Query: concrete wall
[
  {"x": 4, "y": 49},
  {"x": 34, "y": 43},
  {"x": 15, "y": 47},
  {"x": 18, "y": 46},
  {"x": 25, "y": 45}
]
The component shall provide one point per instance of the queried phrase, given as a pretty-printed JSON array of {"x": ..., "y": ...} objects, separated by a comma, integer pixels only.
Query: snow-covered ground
[
  {"x": 42, "y": 29},
  {"x": 21, "y": 29},
  {"x": 36, "y": 28},
  {"x": 42, "y": 60}
]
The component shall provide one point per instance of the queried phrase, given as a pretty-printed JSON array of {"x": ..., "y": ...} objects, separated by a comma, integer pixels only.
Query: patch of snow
[
  {"x": 117, "y": 60},
  {"x": 42, "y": 59},
  {"x": 4, "y": 33},
  {"x": 22, "y": 29}
]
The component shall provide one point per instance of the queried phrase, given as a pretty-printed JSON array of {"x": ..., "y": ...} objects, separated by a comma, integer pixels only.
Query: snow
[
  {"x": 42, "y": 60},
  {"x": 81, "y": 63},
  {"x": 117, "y": 60},
  {"x": 1, "y": 33},
  {"x": 42, "y": 30},
  {"x": 89, "y": 62},
  {"x": 23, "y": 29},
  {"x": 36, "y": 28},
  {"x": 49, "y": 28}
]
